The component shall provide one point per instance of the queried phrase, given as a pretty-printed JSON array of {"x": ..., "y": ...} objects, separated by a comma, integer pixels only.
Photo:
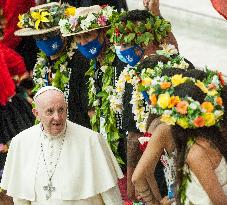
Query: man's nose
[
  {"x": 56, "y": 115},
  {"x": 84, "y": 41}
]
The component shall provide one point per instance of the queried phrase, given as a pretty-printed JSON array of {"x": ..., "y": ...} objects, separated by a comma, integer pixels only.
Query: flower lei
[
  {"x": 155, "y": 28},
  {"x": 101, "y": 101},
  {"x": 74, "y": 24},
  {"x": 60, "y": 78},
  {"x": 43, "y": 17},
  {"x": 186, "y": 112},
  {"x": 132, "y": 75},
  {"x": 186, "y": 174}
]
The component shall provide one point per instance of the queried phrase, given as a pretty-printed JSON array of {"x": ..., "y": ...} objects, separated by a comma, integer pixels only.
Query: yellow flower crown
[
  {"x": 186, "y": 112},
  {"x": 45, "y": 16}
]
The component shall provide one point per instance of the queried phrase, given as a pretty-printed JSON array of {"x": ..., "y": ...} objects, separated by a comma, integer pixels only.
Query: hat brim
[
  {"x": 85, "y": 31},
  {"x": 34, "y": 32}
]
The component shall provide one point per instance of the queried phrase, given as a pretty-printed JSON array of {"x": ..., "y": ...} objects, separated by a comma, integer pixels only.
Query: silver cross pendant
[{"x": 49, "y": 189}]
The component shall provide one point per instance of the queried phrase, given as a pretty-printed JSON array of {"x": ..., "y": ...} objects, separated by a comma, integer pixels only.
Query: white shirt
[{"x": 86, "y": 171}]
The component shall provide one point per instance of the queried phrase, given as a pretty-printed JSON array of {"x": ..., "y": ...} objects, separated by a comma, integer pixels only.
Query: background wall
[{"x": 200, "y": 31}]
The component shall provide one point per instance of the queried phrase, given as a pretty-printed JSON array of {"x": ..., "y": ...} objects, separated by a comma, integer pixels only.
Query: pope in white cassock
[{"x": 58, "y": 162}]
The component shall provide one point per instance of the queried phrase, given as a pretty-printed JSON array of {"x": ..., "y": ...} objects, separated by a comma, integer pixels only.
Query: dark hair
[
  {"x": 136, "y": 15},
  {"x": 152, "y": 61},
  {"x": 181, "y": 136},
  {"x": 196, "y": 73}
]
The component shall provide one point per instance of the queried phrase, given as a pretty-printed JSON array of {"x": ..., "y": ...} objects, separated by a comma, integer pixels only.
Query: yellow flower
[
  {"x": 201, "y": 86},
  {"x": 153, "y": 99},
  {"x": 70, "y": 11},
  {"x": 168, "y": 119},
  {"x": 163, "y": 100},
  {"x": 212, "y": 92},
  {"x": 119, "y": 89},
  {"x": 146, "y": 81},
  {"x": 209, "y": 119},
  {"x": 20, "y": 23},
  {"x": 183, "y": 122},
  {"x": 40, "y": 17},
  {"x": 207, "y": 107},
  {"x": 165, "y": 85},
  {"x": 127, "y": 78},
  {"x": 173, "y": 101},
  {"x": 178, "y": 79}
]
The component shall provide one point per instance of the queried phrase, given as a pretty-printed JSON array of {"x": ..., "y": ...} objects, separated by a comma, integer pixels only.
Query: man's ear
[{"x": 36, "y": 113}]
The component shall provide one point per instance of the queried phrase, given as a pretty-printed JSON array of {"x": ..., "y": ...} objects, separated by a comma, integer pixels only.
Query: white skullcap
[{"x": 44, "y": 89}]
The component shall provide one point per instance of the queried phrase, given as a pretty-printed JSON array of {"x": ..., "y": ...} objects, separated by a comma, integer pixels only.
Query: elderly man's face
[{"x": 51, "y": 110}]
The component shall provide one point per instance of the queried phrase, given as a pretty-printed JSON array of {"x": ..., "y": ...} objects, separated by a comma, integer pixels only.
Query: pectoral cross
[{"x": 49, "y": 189}]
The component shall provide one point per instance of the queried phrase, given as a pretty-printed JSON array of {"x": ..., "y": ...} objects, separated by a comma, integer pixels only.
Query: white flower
[
  {"x": 215, "y": 80},
  {"x": 107, "y": 11},
  {"x": 40, "y": 81},
  {"x": 96, "y": 103},
  {"x": 103, "y": 68},
  {"x": 63, "y": 23},
  {"x": 169, "y": 49},
  {"x": 63, "y": 68},
  {"x": 109, "y": 89},
  {"x": 218, "y": 113},
  {"x": 85, "y": 24},
  {"x": 194, "y": 105},
  {"x": 167, "y": 112}
]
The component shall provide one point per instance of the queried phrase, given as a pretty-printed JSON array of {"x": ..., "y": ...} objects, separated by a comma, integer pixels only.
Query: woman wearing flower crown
[{"x": 199, "y": 143}]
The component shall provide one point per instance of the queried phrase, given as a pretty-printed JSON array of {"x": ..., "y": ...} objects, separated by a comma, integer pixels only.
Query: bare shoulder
[
  {"x": 164, "y": 135},
  {"x": 198, "y": 153}
]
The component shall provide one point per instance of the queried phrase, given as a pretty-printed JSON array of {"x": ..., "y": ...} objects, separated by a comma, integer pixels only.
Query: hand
[
  {"x": 166, "y": 201},
  {"x": 152, "y": 6},
  {"x": 91, "y": 113}
]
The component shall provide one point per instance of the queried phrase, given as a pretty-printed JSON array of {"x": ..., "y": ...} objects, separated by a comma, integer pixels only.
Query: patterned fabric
[{"x": 169, "y": 167}]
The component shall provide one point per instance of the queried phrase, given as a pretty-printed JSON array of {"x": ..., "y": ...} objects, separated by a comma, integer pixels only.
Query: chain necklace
[{"x": 49, "y": 188}]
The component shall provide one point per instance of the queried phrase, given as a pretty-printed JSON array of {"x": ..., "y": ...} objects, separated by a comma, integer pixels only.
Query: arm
[
  {"x": 208, "y": 178},
  {"x": 112, "y": 197},
  {"x": 145, "y": 169},
  {"x": 21, "y": 201}
]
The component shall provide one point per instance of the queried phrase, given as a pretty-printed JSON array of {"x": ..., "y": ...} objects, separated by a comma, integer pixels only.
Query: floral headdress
[
  {"x": 87, "y": 19},
  {"x": 41, "y": 19},
  {"x": 141, "y": 77},
  {"x": 154, "y": 28},
  {"x": 185, "y": 111}
]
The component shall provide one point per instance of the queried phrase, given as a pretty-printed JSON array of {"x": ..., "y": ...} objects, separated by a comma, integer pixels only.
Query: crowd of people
[{"x": 93, "y": 93}]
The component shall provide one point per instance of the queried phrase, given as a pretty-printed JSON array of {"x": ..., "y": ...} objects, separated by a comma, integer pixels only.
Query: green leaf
[{"x": 129, "y": 37}]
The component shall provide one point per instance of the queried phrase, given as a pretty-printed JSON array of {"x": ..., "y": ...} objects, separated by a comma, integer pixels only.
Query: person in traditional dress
[
  {"x": 193, "y": 116},
  {"x": 136, "y": 37},
  {"x": 89, "y": 26},
  {"x": 59, "y": 162}
]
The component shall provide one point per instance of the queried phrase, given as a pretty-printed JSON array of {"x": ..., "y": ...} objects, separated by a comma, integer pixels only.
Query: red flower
[
  {"x": 104, "y": 5},
  {"x": 221, "y": 78},
  {"x": 117, "y": 31},
  {"x": 199, "y": 122}
]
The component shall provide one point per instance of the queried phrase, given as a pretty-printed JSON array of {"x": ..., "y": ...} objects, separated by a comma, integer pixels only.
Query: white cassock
[{"x": 85, "y": 173}]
